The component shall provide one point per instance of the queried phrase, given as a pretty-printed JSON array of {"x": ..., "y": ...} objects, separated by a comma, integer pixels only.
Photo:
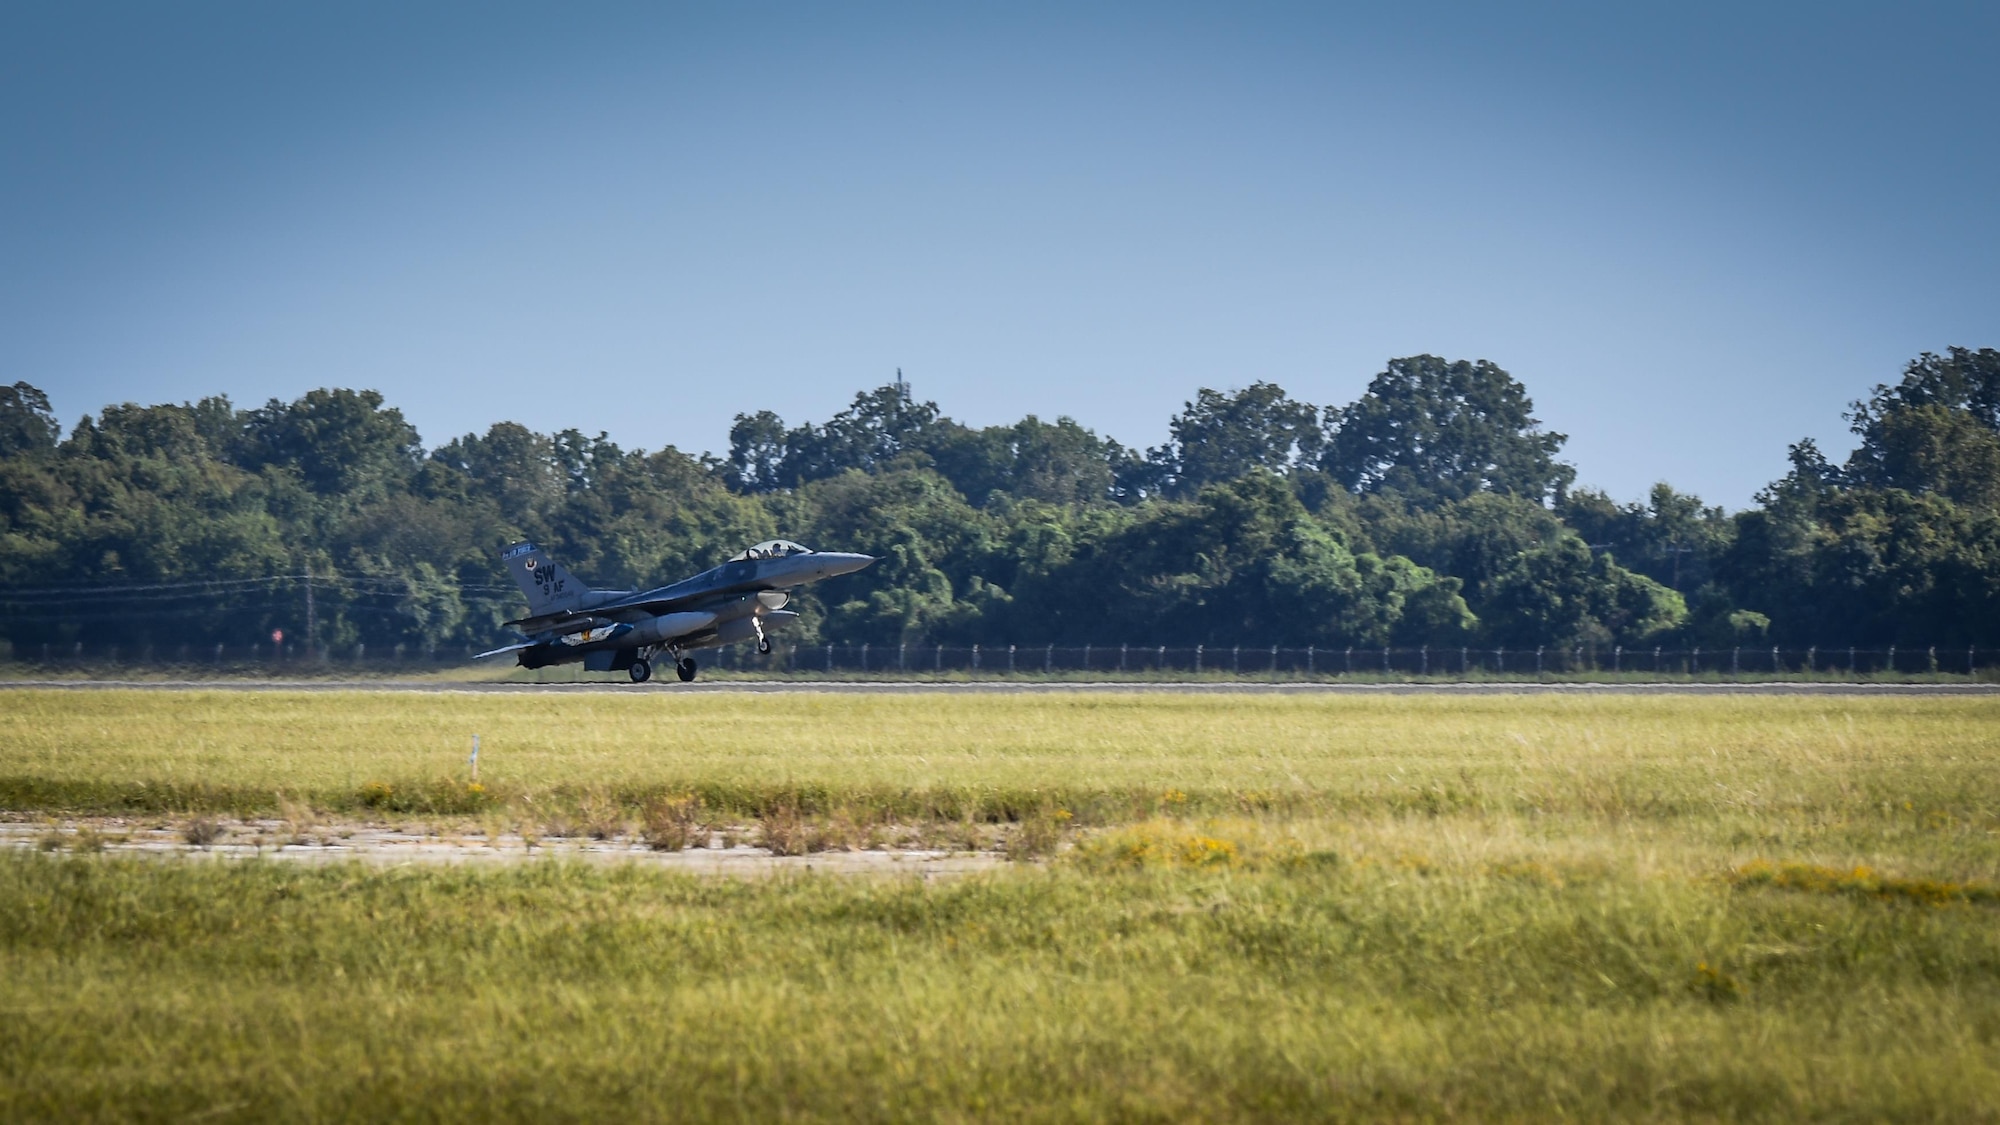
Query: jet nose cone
[
  {"x": 833, "y": 562},
  {"x": 849, "y": 563}
]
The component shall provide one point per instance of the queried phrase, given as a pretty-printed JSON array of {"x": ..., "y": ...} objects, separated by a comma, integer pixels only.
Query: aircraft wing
[
  {"x": 561, "y": 623},
  {"x": 652, "y": 601}
]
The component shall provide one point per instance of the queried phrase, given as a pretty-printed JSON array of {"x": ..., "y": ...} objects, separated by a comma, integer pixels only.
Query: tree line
[{"x": 1435, "y": 509}]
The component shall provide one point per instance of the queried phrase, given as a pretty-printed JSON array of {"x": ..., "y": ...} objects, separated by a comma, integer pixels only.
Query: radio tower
[{"x": 902, "y": 385}]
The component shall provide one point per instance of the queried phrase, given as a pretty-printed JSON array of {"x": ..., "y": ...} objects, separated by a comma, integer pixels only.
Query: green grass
[
  {"x": 1416, "y": 908},
  {"x": 1758, "y": 760},
  {"x": 261, "y": 991}
]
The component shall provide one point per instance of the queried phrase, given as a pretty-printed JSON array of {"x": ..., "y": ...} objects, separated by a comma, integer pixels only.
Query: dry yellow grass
[
  {"x": 1612, "y": 754},
  {"x": 1412, "y": 908}
]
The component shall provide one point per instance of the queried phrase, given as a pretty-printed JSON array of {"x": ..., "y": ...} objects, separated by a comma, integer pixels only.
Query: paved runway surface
[
  {"x": 994, "y": 687},
  {"x": 714, "y": 854}
]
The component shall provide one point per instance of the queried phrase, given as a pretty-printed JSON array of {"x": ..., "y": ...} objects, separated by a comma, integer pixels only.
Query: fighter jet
[{"x": 608, "y": 630}]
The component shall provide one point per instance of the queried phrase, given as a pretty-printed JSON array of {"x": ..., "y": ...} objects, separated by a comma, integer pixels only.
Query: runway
[{"x": 1020, "y": 687}]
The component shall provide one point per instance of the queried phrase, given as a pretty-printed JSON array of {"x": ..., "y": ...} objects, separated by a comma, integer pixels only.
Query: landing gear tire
[
  {"x": 686, "y": 670},
  {"x": 642, "y": 670},
  {"x": 763, "y": 646}
]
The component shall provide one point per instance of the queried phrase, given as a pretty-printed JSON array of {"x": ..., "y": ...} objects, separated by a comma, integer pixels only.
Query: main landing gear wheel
[
  {"x": 686, "y": 670},
  {"x": 642, "y": 670},
  {"x": 763, "y": 646}
]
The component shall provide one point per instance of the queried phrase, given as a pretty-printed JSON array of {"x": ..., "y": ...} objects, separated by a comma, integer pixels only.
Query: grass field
[{"x": 1265, "y": 907}]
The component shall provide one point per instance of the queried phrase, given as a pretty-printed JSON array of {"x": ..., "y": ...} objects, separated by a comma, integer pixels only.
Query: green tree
[
  {"x": 1242, "y": 561},
  {"x": 341, "y": 442},
  {"x": 1673, "y": 538},
  {"x": 1225, "y": 436},
  {"x": 756, "y": 453},
  {"x": 514, "y": 467},
  {"x": 1562, "y": 594},
  {"x": 27, "y": 425},
  {"x": 1438, "y": 430},
  {"x": 932, "y": 580},
  {"x": 1056, "y": 463}
]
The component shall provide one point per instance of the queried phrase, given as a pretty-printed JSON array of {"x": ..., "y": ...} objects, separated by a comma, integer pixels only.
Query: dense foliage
[{"x": 1433, "y": 510}]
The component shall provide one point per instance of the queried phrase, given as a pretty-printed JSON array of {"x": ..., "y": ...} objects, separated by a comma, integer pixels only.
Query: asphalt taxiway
[{"x": 1026, "y": 687}]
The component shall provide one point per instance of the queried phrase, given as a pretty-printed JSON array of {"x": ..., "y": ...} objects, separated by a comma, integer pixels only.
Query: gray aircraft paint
[{"x": 740, "y": 601}]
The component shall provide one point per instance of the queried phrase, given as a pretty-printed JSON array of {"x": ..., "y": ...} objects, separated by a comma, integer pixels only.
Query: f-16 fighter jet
[{"x": 741, "y": 600}]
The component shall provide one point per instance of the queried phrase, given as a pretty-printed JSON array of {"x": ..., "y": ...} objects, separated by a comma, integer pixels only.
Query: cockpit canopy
[{"x": 773, "y": 549}]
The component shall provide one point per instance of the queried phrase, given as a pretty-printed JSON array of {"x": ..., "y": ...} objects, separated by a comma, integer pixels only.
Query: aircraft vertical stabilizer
[{"x": 549, "y": 587}]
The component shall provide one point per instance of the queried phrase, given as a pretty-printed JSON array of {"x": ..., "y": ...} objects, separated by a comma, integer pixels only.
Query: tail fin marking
[{"x": 550, "y": 588}]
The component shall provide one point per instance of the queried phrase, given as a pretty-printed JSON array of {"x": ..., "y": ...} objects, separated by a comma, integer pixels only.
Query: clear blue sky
[{"x": 1695, "y": 232}]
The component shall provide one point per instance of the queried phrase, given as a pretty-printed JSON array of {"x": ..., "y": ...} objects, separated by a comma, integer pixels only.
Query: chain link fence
[
  {"x": 1313, "y": 662},
  {"x": 305, "y": 622},
  {"x": 1092, "y": 661}
]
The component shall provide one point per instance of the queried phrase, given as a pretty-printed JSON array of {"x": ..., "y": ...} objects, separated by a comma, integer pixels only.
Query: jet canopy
[{"x": 773, "y": 549}]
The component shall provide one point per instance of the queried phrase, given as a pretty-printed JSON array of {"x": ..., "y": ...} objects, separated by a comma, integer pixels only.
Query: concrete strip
[{"x": 275, "y": 841}]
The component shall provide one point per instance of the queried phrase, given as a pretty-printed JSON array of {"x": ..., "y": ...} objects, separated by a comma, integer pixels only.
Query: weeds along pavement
[{"x": 1235, "y": 908}]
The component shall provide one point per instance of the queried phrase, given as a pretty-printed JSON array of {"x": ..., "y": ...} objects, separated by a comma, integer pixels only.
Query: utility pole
[
  {"x": 1677, "y": 551},
  {"x": 312, "y": 617}
]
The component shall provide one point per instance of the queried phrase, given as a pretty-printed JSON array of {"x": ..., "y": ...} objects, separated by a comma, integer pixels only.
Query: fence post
[
  {"x": 975, "y": 658},
  {"x": 937, "y": 659},
  {"x": 1500, "y": 659},
  {"x": 864, "y": 658},
  {"x": 1350, "y": 660},
  {"x": 1464, "y": 653},
  {"x": 1010, "y": 660},
  {"x": 1197, "y": 660},
  {"x": 1121, "y": 657},
  {"x": 1086, "y": 658},
  {"x": 1892, "y": 660},
  {"x": 1538, "y": 660},
  {"x": 1969, "y": 650},
  {"x": 1274, "y": 660},
  {"x": 1385, "y": 660},
  {"x": 1162, "y": 665},
  {"x": 1933, "y": 658},
  {"x": 1812, "y": 659},
  {"x": 1423, "y": 660},
  {"x": 902, "y": 652},
  {"x": 1694, "y": 662},
  {"x": 1236, "y": 660},
  {"x": 1048, "y": 660},
  {"x": 1312, "y": 660},
  {"x": 829, "y": 659},
  {"x": 1617, "y": 658},
  {"x": 1735, "y": 659},
  {"x": 1775, "y": 666}
]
